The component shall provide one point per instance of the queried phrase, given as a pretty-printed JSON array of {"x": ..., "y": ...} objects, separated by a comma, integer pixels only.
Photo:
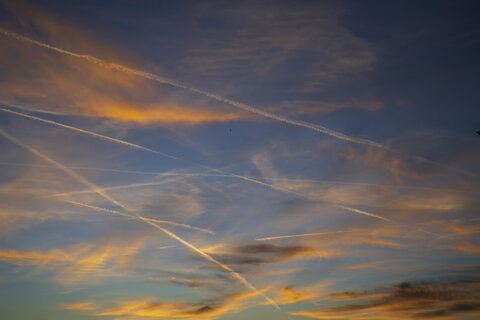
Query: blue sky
[{"x": 239, "y": 160}]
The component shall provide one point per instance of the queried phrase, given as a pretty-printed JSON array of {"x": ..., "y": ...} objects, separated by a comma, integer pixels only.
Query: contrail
[
  {"x": 120, "y": 187},
  {"x": 17, "y": 106},
  {"x": 70, "y": 172},
  {"x": 133, "y": 145},
  {"x": 187, "y": 226},
  {"x": 178, "y": 158},
  {"x": 314, "y": 234},
  {"x": 150, "y": 173},
  {"x": 177, "y": 84},
  {"x": 115, "y": 202},
  {"x": 367, "y": 213}
]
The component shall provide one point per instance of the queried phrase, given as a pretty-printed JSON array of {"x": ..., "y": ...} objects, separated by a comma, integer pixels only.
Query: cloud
[
  {"x": 259, "y": 41},
  {"x": 255, "y": 254},
  {"x": 308, "y": 292},
  {"x": 60, "y": 83},
  {"x": 81, "y": 262},
  {"x": 161, "y": 114},
  {"x": 406, "y": 300},
  {"x": 80, "y": 306},
  {"x": 149, "y": 308},
  {"x": 379, "y": 159}
]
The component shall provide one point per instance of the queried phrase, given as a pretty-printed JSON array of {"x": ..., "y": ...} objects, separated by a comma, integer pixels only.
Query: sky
[{"x": 238, "y": 160}]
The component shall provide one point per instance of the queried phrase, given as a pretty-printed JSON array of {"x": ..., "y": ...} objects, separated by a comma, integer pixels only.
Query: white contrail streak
[
  {"x": 177, "y": 158},
  {"x": 178, "y": 84},
  {"x": 120, "y": 187},
  {"x": 17, "y": 106},
  {"x": 150, "y": 173},
  {"x": 133, "y": 145},
  {"x": 100, "y": 192},
  {"x": 314, "y": 234},
  {"x": 366, "y": 213},
  {"x": 187, "y": 226}
]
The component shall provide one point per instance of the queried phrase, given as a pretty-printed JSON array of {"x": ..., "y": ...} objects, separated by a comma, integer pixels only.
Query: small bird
[{"x": 478, "y": 132}]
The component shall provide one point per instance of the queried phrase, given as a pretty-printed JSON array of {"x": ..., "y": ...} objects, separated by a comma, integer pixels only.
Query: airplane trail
[
  {"x": 120, "y": 187},
  {"x": 177, "y": 84},
  {"x": 17, "y": 106},
  {"x": 187, "y": 226},
  {"x": 367, "y": 213},
  {"x": 157, "y": 173},
  {"x": 188, "y": 161},
  {"x": 314, "y": 234},
  {"x": 101, "y": 193},
  {"x": 133, "y": 145}
]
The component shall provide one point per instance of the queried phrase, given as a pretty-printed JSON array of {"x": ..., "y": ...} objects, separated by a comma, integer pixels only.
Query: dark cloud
[
  {"x": 256, "y": 254},
  {"x": 408, "y": 300}
]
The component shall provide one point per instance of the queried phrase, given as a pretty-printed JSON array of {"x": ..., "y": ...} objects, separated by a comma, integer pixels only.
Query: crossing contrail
[
  {"x": 314, "y": 234},
  {"x": 245, "y": 178},
  {"x": 101, "y": 193},
  {"x": 240, "y": 105},
  {"x": 183, "y": 225}
]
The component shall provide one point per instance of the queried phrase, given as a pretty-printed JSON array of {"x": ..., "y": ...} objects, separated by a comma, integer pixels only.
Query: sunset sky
[{"x": 239, "y": 160}]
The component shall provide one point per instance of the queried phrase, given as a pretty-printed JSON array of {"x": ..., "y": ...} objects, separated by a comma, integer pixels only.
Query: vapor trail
[
  {"x": 17, "y": 106},
  {"x": 133, "y": 145},
  {"x": 99, "y": 191},
  {"x": 70, "y": 172},
  {"x": 126, "y": 186},
  {"x": 177, "y": 158},
  {"x": 187, "y": 226},
  {"x": 314, "y": 234},
  {"x": 92, "y": 169},
  {"x": 178, "y": 84},
  {"x": 366, "y": 213}
]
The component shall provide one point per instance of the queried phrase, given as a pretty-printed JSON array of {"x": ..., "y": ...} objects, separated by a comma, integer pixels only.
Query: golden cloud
[{"x": 47, "y": 80}]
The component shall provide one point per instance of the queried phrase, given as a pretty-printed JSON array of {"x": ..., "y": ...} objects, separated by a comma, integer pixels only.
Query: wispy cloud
[{"x": 148, "y": 308}]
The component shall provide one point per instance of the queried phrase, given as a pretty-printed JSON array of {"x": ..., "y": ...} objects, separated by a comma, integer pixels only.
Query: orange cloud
[
  {"x": 81, "y": 261},
  {"x": 33, "y": 257},
  {"x": 47, "y": 80},
  {"x": 164, "y": 114},
  {"x": 80, "y": 306},
  {"x": 404, "y": 301},
  {"x": 382, "y": 242},
  {"x": 466, "y": 247},
  {"x": 149, "y": 308}
]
